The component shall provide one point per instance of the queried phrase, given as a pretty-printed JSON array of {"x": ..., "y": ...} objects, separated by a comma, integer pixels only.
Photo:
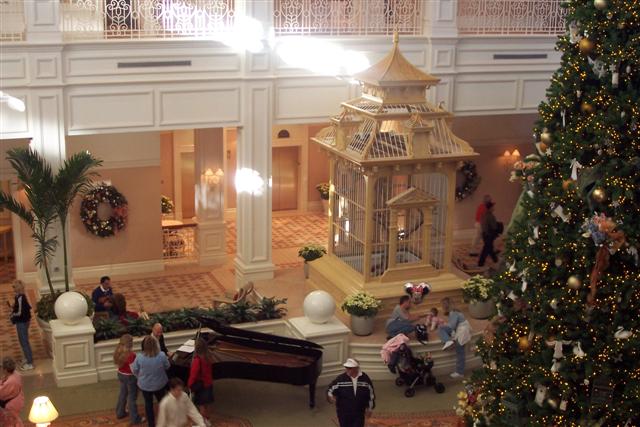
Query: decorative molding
[
  {"x": 13, "y": 67},
  {"x": 110, "y": 110},
  {"x": 46, "y": 68},
  {"x": 485, "y": 94},
  {"x": 78, "y": 65},
  {"x": 96, "y": 271},
  {"x": 199, "y": 106},
  {"x": 532, "y": 92},
  {"x": 309, "y": 101}
]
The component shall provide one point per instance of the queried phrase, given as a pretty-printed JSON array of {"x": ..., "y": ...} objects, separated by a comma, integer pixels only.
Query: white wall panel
[
  {"x": 310, "y": 101},
  {"x": 485, "y": 95},
  {"x": 12, "y": 67},
  {"x": 92, "y": 111},
  {"x": 106, "y": 64},
  {"x": 199, "y": 106},
  {"x": 14, "y": 124},
  {"x": 533, "y": 91}
]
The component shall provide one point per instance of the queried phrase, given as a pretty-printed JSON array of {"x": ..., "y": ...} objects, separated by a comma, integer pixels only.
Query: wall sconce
[
  {"x": 213, "y": 178},
  {"x": 42, "y": 411},
  {"x": 510, "y": 158}
]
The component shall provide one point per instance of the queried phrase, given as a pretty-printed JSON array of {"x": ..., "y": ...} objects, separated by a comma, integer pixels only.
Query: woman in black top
[
  {"x": 21, "y": 317},
  {"x": 491, "y": 229}
]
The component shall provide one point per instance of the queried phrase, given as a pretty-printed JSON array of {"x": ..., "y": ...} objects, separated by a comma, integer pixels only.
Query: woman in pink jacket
[{"x": 11, "y": 395}]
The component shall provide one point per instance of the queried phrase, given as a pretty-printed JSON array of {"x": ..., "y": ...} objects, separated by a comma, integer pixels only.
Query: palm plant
[
  {"x": 73, "y": 179},
  {"x": 50, "y": 197},
  {"x": 37, "y": 177}
]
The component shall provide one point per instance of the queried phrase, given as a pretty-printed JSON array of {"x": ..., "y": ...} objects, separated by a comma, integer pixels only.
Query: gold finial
[{"x": 396, "y": 38}]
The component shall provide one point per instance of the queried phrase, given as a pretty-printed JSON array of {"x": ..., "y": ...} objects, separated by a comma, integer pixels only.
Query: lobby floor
[{"x": 263, "y": 404}]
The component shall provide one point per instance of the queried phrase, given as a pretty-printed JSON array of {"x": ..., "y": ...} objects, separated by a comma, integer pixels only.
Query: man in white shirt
[{"x": 176, "y": 408}]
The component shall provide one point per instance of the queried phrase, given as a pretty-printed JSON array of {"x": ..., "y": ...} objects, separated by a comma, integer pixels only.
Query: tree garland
[
  {"x": 89, "y": 211},
  {"x": 470, "y": 182}
]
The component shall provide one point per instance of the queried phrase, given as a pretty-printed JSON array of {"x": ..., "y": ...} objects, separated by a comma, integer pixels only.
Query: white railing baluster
[{"x": 502, "y": 17}]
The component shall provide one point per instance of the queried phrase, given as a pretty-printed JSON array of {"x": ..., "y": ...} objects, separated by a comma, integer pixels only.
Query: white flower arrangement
[
  {"x": 361, "y": 304},
  {"x": 477, "y": 288}
]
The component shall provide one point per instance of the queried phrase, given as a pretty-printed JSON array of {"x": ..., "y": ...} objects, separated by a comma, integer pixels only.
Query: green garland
[{"x": 471, "y": 180}]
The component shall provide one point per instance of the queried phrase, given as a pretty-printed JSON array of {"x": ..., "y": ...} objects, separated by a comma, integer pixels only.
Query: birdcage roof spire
[{"x": 394, "y": 69}]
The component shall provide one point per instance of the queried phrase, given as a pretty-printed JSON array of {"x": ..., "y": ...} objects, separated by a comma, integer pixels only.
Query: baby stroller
[{"x": 413, "y": 371}]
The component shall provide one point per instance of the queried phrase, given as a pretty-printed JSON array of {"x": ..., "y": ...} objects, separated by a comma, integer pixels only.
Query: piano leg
[{"x": 312, "y": 395}]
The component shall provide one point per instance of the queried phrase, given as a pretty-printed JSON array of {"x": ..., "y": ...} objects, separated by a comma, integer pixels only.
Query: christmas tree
[{"x": 564, "y": 348}]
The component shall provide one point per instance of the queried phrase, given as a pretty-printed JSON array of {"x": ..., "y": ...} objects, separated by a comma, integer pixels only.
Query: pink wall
[
  {"x": 318, "y": 164},
  {"x": 490, "y": 136},
  {"x": 141, "y": 239},
  {"x": 166, "y": 164}
]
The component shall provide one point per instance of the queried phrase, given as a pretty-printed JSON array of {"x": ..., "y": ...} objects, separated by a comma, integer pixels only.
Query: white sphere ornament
[
  {"x": 319, "y": 307},
  {"x": 600, "y": 4},
  {"x": 71, "y": 307}
]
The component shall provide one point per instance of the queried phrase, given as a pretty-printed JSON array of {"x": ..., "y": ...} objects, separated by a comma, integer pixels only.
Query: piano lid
[{"x": 216, "y": 326}]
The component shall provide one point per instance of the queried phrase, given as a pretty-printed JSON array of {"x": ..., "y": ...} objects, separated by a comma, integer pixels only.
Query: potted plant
[
  {"x": 309, "y": 253},
  {"x": 50, "y": 197},
  {"x": 323, "y": 189},
  {"x": 363, "y": 308},
  {"x": 166, "y": 205},
  {"x": 476, "y": 292}
]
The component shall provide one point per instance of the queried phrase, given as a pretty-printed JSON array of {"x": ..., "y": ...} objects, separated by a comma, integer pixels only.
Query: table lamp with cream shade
[{"x": 42, "y": 411}]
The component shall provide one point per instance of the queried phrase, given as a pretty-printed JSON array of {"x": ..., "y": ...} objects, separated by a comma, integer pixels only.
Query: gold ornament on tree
[
  {"x": 545, "y": 136},
  {"x": 600, "y": 4},
  {"x": 567, "y": 184},
  {"x": 574, "y": 282},
  {"x": 524, "y": 343},
  {"x": 599, "y": 195},
  {"x": 585, "y": 107},
  {"x": 586, "y": 46}
]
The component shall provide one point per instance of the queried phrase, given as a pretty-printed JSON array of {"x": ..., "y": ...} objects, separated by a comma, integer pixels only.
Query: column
[
  {"x": 42, "y": 21},
  {"x": 450, "y": 173},
  {"x": 253, "y": 185},
  {"x": 49, "y": 140},
  {"x": 209, "y": 193}
]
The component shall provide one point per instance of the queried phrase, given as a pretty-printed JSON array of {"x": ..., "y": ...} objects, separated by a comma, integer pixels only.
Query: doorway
[{"x": 285, "y": 165}]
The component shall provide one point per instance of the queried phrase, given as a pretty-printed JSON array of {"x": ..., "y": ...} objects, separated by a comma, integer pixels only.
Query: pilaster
[
  {"x": 49, "y": 140},
  {"x": 74, "y": 361},
  {"x": 333, "y": 336},
  {"x": 210, "y": 236},
  {"x": 42, "y": 20},
  {"x": 253, "y": 185}
]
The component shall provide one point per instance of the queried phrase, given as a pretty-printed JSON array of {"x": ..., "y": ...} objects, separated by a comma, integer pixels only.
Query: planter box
[
  {"x": 482, "y": 309},
  {"x": 47, "y": 338},
  {"x": 104, "y": 349}
]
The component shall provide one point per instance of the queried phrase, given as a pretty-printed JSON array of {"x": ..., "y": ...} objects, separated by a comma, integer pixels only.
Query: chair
[{"x": 244, "y": 293}]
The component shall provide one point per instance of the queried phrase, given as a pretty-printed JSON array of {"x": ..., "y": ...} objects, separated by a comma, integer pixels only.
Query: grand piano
[{"x": 255, "y": 356}]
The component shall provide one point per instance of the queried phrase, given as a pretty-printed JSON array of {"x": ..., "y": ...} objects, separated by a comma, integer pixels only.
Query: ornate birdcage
[{"x": 393, "y": 162}]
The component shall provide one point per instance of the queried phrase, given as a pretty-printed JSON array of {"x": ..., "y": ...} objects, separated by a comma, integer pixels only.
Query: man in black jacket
[{"x": 353, "y": 394}]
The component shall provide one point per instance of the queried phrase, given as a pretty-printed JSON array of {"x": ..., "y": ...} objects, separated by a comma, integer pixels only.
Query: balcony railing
[
  {"x": 179, "y": 242},
  {"x": 347, "y": 17},
  {"x": 502, "y": 17},
  {"x": 138, "y": 19},
  {"x": 11, "y": 20}
]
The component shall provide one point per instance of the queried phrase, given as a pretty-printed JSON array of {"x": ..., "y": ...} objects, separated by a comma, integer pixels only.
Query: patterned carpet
[
  {"x": 423, "y": 419},
  {"x": 154, "y": 294},
  {"x": 9, "y": 345},
  {"x": 288, "y": 231},
  {"x": 7, "y": 270},
  {"x": 166, "y": 292},
  {"x": 108, "y": 418},
  {"x": 469, "y": 263}
]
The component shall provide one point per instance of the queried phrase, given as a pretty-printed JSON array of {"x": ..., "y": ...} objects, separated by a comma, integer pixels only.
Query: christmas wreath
[
  {"x": 89, "y": 211},
  {"x": 470, "y": 180}
]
